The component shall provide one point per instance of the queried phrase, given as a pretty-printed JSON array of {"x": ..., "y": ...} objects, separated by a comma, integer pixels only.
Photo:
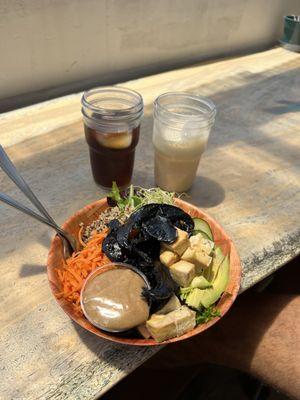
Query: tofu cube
[
  {"x": 203, "y": 259},
  {"x": 171, "y": 305},
  {"x": 180, "y": 244},
  {"x": 201, "y": 243},
  {"x": 144, "y": 331},
  {"x": 189, "y": 255},
  {"x": 195, "y": 240},
  {"x": 168, "y": 258},
  {"x": 175, "y": 323},
  {"x": 198, "y": 258},
  {"x": 183, "y": 273}
]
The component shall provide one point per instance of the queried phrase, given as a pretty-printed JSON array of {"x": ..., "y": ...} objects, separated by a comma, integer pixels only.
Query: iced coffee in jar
[
  {"x": 112, "y": 117},
  {"x": 182, "y": 123}
]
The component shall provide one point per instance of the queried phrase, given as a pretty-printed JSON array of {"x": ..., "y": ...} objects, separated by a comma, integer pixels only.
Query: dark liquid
[{"x": 111, "y": 164}]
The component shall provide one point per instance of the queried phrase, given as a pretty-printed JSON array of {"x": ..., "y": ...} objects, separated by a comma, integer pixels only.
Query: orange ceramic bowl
[{"x": 90, "y": 213}]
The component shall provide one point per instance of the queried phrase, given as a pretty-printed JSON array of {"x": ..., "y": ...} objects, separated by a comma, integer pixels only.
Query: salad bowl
[{"x": 91, "y": 212}]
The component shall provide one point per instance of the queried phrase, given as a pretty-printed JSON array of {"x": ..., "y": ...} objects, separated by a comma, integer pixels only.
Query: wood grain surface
[{"x": 248, "y": 180}]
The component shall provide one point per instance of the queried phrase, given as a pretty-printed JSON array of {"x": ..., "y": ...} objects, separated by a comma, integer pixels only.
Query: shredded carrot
[{"x": 76, "y": 268}]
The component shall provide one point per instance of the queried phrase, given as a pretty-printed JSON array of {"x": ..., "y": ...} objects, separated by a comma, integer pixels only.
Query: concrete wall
[{"x": 50, "y": 47}]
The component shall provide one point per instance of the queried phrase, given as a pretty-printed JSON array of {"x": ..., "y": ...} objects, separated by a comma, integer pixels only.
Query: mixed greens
[{"x": 137, "y": 197}]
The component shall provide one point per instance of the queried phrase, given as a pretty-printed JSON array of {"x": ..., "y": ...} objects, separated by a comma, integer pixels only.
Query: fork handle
[
  {"x": 11, "y": 171},
  {"x": 15, "y": 204}
]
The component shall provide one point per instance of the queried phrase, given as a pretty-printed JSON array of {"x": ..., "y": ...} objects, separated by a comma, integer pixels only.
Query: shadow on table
[
  {"x": 31, "y": 270},
  {"x": 284, "y": 107},
  {"x": 206, "y": 192},
  {"x": 125, "y": 358},
  {"x": 27, "y": 269}
]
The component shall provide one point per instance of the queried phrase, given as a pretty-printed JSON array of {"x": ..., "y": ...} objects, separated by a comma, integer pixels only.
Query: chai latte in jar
[{"x": 182, "y": 124}]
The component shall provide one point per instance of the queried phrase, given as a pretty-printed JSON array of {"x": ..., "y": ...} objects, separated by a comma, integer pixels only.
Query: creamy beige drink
[
  {"x": 182, "y": 124},
  {"x": 176, "y": 162}
]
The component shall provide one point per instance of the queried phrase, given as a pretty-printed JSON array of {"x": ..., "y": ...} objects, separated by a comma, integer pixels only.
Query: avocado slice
[
  {"x": 193, "y": 299},
  {"x": 210, "y": 273},
  {"x": 203, "y": 227},
  {"x": 211, "y": 295},
  {"x": 200, "y": 282}
]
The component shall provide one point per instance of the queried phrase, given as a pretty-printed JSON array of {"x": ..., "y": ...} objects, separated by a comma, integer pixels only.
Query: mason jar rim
[
  {"x": 135, "y": 109},
  {"x": 209, "y": 113}
]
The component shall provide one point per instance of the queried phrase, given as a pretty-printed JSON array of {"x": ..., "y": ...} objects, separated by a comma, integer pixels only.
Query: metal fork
[{"x": 69, "y": 242}]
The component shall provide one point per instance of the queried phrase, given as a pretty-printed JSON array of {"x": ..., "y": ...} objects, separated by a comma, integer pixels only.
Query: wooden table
[{"x": 248, "y": 180}]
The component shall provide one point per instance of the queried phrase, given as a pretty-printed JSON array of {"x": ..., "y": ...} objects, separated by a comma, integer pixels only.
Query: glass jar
[
  {"x": 182, "y": 123},
  {"x": 112, "y": 117}
]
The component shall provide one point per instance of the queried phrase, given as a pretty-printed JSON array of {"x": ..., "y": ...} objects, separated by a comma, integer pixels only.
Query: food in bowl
[{"x": 186, "y": 271}]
